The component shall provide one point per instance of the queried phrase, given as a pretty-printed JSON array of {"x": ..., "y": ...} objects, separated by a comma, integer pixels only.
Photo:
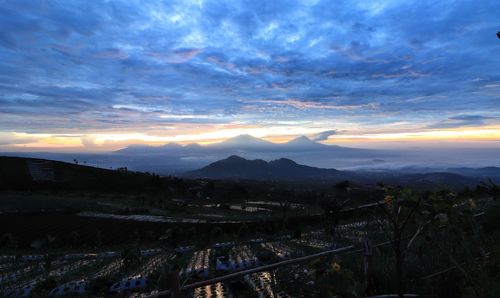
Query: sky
[{"x": 100, "y": 75}]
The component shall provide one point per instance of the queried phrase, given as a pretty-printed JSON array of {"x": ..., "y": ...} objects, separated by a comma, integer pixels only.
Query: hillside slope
[
  {"x": 19, "y": 173},
  {"x": 235, "y": 167}
]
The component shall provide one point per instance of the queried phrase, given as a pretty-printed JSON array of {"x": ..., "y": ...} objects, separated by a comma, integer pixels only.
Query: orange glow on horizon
[
  {"x": 113, "y": 141},
  {"x": 491, "y": 133}
]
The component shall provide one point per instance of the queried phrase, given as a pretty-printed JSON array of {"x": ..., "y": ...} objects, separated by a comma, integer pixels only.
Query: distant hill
[
  {"x": 492, "y": 173},
  {"x": 235, "y": 167},
  {"x": 434, "y": 180},
  {"x": 19, "y": 173}
]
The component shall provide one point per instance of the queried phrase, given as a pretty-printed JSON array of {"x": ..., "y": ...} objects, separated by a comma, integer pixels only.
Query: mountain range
[
  {"x": 245, "y": 143},
  {"x": 301, "y": 149},
  {"x": 174, "y": 158},
  {"x": 283, "y": 169}
]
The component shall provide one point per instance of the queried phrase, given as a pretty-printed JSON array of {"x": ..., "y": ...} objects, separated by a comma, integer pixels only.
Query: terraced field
[{"x": 89, "y": 274}]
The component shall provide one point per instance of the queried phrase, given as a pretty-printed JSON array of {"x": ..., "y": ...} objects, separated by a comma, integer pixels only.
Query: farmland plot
[
  {"x": 263, "y": 285},
  {"x": 238, "y": 258},
  {"x": 141, "y": 278},
  {"x": 199, "y": 264},
  {"x": 280, "y": 249},
  {"x": 218, "y": 290},
  {"x": 313, "y": 243},
  {"x": 24, "y": 289}
]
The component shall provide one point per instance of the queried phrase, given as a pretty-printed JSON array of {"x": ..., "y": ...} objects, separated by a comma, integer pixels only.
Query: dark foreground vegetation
[{"x": 68, "y": 229}]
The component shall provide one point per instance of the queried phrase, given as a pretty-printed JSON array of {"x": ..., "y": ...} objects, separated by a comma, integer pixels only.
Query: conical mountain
[{"x": 244, "y": 141}]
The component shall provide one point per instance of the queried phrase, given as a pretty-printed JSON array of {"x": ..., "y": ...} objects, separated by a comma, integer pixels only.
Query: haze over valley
[{"x": 173, "y": 158}]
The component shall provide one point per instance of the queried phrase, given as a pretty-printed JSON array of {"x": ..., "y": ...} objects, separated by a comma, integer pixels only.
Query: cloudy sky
[{"x": 98, "y": 75}]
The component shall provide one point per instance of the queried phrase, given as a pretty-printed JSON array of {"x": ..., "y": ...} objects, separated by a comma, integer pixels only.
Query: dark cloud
[
  {"x": 470, "y": 118},
  {"x": 77, "y": 60},
  {"x": 462, "y": 120}
]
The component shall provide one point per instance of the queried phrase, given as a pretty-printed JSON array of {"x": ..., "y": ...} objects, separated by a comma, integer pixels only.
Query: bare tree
[{"x": 398, "y": 209}]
